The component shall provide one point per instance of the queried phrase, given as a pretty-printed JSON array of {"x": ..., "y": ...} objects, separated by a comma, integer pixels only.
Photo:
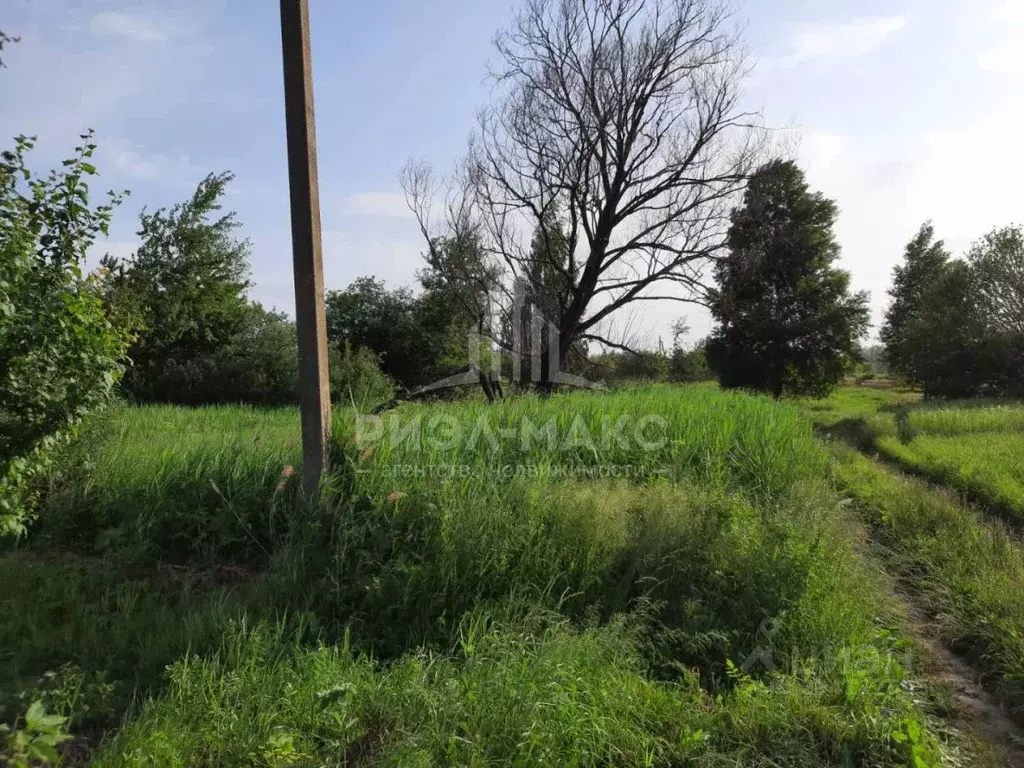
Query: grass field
[
  {"x": 660, "y": 576},
  {"x": 964, "y": 569},
  {"x": 978, "y": 450},
  {"x": 949, "y": 535},
  {"x": 974, "y": 447}
]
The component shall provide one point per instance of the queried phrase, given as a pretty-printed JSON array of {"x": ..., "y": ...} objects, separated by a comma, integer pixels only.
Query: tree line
[
  {"x": 195, "y": 336},
  {"x": 613, "y": 168},
  {"x": 955, "y": 327}
]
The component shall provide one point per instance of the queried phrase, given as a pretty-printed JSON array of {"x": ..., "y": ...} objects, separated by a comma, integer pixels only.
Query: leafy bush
[
  {"x": 59, "y": 355},
  {"x": 36, "y": 742},
  {"x": 259, "y": 365},
  {"x": 183, "y": 291},
  {"x": 686, "y": 366},
  {"x": 619, "y": 367},
  {"x": 199, "y": 340},
  {"x": 78, "y": 696},
  {"x": 415, "y": 338},
  {"x": 356, "y": 377}
]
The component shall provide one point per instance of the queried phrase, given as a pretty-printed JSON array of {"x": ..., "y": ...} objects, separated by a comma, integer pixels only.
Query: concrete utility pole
[{"x": 307, "y": 258}]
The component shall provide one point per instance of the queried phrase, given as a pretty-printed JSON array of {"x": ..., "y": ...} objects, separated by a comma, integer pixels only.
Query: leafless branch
[{"x": 622, "y": 120}]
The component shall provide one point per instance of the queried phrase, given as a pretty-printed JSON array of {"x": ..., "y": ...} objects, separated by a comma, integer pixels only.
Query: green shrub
[
  {"x": 183, "y": 292},
  {"x": 79, "y": 696},
  {"x": 687, "y": 366},
  {"x": 622, "y": 367},
  {"x": 59, "y": 355},
  {"x": 258, "y": 365},
  {"x": 35, "y": 743},
  {"x": 416, "y": 339},
  {"x": 356, "y": 378}
]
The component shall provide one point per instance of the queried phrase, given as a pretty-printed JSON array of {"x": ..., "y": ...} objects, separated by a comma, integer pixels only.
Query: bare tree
[{"x": 617, "y": 128}]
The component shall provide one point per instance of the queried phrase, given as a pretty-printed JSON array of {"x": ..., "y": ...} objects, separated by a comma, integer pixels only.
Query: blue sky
[{"x": 904, "y": 110}]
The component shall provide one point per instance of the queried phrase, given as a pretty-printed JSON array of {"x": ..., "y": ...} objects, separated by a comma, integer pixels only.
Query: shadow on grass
[
  {"x": 901, "y": 414},
  {"x": 857, "y": 433},
  {"x": 853, "y": 431}
]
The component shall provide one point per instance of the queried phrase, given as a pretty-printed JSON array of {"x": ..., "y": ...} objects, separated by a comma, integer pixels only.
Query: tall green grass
[
  {"x": 712, "y": 437},
  {"x": 692, "y": 596},
  {"x": 966, "y": 569},
  {"x": 177, "y": 483},
  {"x": 715, "y": 566},
  {"x": 724, "y": 525},
  {"x": 988, "y": 467},
  {"x": 966, "y": 417},
  {"x": 57, "y": 608},
  {"x": 851, "y": 404},
  {"x": 975, "y": 447},
  {"x": 530, "y": 694},
  {"x": 214, "y": 483}
]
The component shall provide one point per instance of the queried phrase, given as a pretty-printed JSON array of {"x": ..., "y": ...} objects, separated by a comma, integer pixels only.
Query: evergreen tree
[
  {"x": 945, "y": 339},
  {"x": 459, "y": 275},
  {"x": 546, "y": 269},
  {"x": 787, "y": 320},
  {"x": 925, "y": 261}
]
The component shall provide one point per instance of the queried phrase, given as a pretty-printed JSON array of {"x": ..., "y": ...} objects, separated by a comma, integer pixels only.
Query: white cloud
[
  {"x": 1005, "y": 56},
  {"x": 132, "y": 164},
  {"x": 1006, "y": 59},
  {"x": 389, "y": 204},
  {"x": 820, "y": 151},
  {"x": 380, "y": 252},
  {"x": 113, "y": 24},
  {"x": 835, "y": 40},
  {"x": 1008, "y": 11},
  {"x": 970, "y": 177},
  {"x": 129, "y": 160},
  {"x": 961, "y": 175}
]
